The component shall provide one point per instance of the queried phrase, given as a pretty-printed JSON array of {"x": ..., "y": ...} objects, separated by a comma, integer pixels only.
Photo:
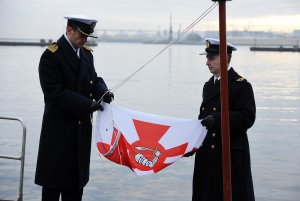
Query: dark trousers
[{"x": 49, "y": 194}]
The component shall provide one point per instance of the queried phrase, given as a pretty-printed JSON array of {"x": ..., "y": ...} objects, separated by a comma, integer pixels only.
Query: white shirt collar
[
  {"x": 78, "y": 52},
  {"x": 218, "y": 78}
]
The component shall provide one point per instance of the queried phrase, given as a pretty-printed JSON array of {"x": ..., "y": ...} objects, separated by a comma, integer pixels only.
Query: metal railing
[{"x": 20, "y": 158}]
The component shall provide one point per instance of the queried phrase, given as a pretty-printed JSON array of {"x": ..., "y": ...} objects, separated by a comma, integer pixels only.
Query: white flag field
[{"x": 145, "y": 143}]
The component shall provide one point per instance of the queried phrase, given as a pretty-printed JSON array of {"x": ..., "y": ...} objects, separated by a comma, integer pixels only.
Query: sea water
[{"x": 171, "y": 85}]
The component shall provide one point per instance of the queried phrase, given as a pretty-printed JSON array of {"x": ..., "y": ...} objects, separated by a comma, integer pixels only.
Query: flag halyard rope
[{"x": 204, "y": 14}]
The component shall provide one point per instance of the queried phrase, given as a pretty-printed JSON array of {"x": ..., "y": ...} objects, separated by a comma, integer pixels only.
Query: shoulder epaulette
[
  {"x": 88, "y": 48},
  {"x": 53, "y": 47},
  {"x": 241, "y": 79}
]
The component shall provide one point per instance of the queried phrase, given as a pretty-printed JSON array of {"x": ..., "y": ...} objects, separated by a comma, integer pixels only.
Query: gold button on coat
[
  {"x": 79, "y": 122},
  {"x": 91, "y": 82},
  {"x": 214, "y": 109},
  {"x": 91, "y": 95},
  {"x": 212, "y": 146},
  {"x": 214, "y": 135}
]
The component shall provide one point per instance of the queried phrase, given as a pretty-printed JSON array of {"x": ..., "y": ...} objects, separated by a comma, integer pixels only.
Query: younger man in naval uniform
[
  {"x": 71, "y": 90},
  {"x": 208, "y": 179}
]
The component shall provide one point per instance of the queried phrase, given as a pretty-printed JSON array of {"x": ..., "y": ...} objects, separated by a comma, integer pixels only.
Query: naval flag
[{"x": 146, "y": 143}]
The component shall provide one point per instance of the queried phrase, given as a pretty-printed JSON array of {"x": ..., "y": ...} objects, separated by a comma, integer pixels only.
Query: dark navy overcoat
[
  {"x": 207, "y": 179},
  {"x": 69, "y": 85}
]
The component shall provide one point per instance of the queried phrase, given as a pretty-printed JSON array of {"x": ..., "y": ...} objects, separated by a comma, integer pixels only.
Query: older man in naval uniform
[
  {"x": 207, "y": 179},
  {"x": 72, "y": 91}
]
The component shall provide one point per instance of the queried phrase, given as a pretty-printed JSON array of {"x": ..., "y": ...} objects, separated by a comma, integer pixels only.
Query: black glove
[
  {"x": 208, "y": 122},
  {"x": 191, "y": 153},
  {"x": 96, "y": 106},
  {"x": 109, "y": 96}
]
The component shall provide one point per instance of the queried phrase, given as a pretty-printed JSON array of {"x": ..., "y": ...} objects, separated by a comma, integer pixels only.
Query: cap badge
[
  {"x": 207, "y": 44},
  {"x": 93, "y": 25}
]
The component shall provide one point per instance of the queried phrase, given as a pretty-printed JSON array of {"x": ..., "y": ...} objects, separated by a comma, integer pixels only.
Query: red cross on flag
[{"x": 146, "y": 143}]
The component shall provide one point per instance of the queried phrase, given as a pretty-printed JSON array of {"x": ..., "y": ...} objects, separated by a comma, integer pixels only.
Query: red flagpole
[{"x": 226, "y": 159}]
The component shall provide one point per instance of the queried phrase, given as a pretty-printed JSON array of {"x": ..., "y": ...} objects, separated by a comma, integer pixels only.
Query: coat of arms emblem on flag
[{"x": 146, "y": 143}]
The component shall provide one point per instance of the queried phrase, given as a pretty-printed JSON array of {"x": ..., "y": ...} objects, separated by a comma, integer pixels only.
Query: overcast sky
[{"x": 44, "y": 18}]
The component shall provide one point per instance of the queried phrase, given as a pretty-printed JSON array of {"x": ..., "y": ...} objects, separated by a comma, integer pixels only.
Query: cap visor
[
  {"x": 203, "y": 53},
  {"x": 88, "y": 35},
  {"x": 92, "y": 36}
]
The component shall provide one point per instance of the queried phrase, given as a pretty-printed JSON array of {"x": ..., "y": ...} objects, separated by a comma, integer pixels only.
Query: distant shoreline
[
  {"x": 289, "y": 42},
  {"x": 41, "y": 43}
]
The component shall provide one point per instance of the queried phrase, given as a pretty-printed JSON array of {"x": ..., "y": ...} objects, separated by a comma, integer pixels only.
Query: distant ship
[{"x": 276, "y": 49}]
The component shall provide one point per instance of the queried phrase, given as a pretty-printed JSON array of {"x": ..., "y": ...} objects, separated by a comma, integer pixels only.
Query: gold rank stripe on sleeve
[
  {"x": 240, "y": 79},
  {"x": 88, "y": 48},
  {"x": 53, "y": 48}
]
